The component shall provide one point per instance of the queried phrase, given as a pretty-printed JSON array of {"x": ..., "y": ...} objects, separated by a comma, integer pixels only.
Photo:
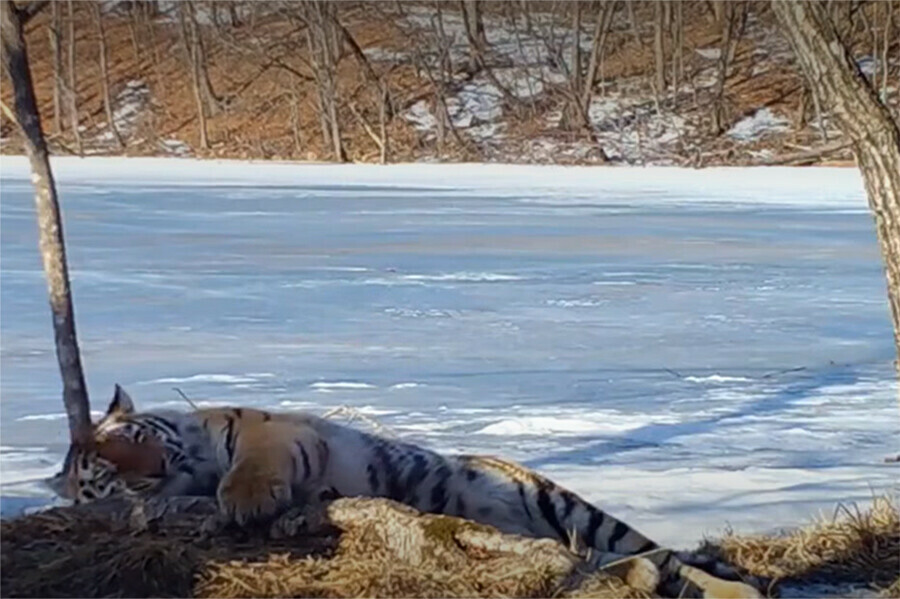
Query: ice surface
[{"x": 688, "y": 349}]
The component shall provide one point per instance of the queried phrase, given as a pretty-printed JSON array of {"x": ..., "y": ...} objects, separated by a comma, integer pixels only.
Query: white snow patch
[
  {"x": 709, "y": 53},
  {"x": 386, "y": 55},
  {"x": 53, "y": 416},
  {"x": 760, "y": 123},
  {"x": 127, "y": 108},
  {"x": 339, "y": 385},
  {"x": 464, "y": 277},
  {"x": 250, "y": 377},
  {"x": 175, "y": 147},
  {"x": 599, "y": 422},
  {"x": 868, "y": 65},
  {"x": 717, "y": 379}
]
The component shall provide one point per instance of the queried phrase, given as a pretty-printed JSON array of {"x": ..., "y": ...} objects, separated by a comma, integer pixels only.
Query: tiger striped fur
[{"x": 258, "y": 463}]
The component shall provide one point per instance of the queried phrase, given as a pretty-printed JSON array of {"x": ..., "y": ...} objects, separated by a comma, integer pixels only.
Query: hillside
[{"x": 728, "y": 91}]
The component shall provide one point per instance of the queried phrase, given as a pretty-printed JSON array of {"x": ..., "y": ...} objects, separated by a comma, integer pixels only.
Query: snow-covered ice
[{"x": 689, "y": 349}]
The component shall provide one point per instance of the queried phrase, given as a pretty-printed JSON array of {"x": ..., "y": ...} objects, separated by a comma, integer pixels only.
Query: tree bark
[
  {"x": 324, "y": 43},
  {"x": 659, "y": 49},
  {"x": 601, "y": 31},
  {"x": 835, "y": 78},
  {"x": 474, "y": 26},
  {"x": 72, "y": 93},
  {"x": 56, "y": 50},
  {"x": 51, "y": 241},
  {"x": 191, "y": 50},
  {"x": 104, "y": 74}
]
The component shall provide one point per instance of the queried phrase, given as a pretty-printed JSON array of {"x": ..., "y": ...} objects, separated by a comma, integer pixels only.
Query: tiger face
[
  {"x": 113, "y": 464},
  {"x": 86, "y": 477}
]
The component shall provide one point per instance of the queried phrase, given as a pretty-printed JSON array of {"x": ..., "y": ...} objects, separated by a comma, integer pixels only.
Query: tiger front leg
[
  {"x": 269, "y": 461},
  {"x": 253, "y": 489}
]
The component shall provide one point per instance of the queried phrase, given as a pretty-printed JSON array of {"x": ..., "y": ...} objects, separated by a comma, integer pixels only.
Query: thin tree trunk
[
  {"x": 658, "y": 49},
  {"x": 382, "y": 121},
  {"x": 50, "y": 229},
  {"x": 56, "y": 51},
  {"x": 601, "y": 31},
  {"x": 134, "y": 13},
  {"x": 190, "y": 48},
  {"x": 726, "y": 53},
  {"x": 576, "y": 47},
  {"x": 324, "y": 48},
  {"x": 72, "y": 92},
  {"x": 677, "y": 69},
  {"x": 835, "y": 77},
  {"x": 474, "y": 26},
  {"x": 210, "y": 98},
  {"x": 885, "y": 64},
  {"x": 104, "y": 75},
  {"x": 632, "y": 23}
]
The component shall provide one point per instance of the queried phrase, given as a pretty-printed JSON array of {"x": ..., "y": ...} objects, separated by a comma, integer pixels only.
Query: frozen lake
[{"x": 688, "y": 349}]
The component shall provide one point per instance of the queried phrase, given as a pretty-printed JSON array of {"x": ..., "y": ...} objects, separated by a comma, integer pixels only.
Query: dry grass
[
  {"x": 55, "y": 555},
  {"x": 854, "y": 546}
]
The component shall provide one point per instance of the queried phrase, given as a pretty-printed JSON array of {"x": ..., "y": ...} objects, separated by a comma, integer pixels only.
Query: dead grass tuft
[{"x": 854, "y": 546}]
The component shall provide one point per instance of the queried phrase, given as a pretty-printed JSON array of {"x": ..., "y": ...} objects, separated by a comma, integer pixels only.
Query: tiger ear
[{"x": 121, "y": 403}]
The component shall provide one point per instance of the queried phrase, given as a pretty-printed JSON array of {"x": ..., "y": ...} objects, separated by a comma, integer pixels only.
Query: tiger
[{"x": 259, "y": 463}]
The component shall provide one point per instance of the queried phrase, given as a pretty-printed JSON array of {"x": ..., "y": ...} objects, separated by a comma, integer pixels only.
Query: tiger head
[{"x": 118, "y": 460}]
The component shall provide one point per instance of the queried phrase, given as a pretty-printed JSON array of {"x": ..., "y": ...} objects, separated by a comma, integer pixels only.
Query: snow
[
  {"x": 688, "y": 349},
  {"x": 128, "y": 106},
  {"x": 476, "y": 107},
  {"x": 709, "y": 53},
  {"x": 323, "y": 386},
  {"x": 760, "y": 123}
]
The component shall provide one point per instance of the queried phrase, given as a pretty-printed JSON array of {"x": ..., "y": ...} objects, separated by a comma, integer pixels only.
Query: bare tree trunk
[
  {"x": 198, "y": 48},
  {"x": 601, "y": 31},
  {"x": 382, "y": 121},
  {"x": 632, "y": 22},
  {"x": 885, "y": 64},
  {"x": 295, "y": 122},
  {"x": 363, "y": 62},
  {"x": 677, "y": 69},
  {"x": 835, "y": 77},
  {"x": 191, "y": 51},
  {"x": 52, "y": 244},
  {"x": 56, "y": 51},
  {"x": 104, "y": 74},
  {"x": 659, "y": 49},
  {"x": 576, "y": 47},
  {"x": 474, "y": 26},
  {"x": 134, "y": 24},
  {"x": 732, "y": 29},
  {"x": 571, "y": 117},
  {"x": 72, "y": 91},
  {"x": 324, "y": 42}
]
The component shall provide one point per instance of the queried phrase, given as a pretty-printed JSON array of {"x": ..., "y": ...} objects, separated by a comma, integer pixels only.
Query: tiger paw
[
  {"x": 288, "y": 524},
  {"x": 249, "y": 493},
  {"x": 726, "y": 589},
  {"x": 718, "y": 588},
  {"x": 642, "y": 574}
]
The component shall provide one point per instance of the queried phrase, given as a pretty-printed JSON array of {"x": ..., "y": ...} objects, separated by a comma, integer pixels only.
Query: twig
[
  {"x": 674, "y": 373},
  {"x": 186, "y": 398},
  {"x": 786, "y": 371}
]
